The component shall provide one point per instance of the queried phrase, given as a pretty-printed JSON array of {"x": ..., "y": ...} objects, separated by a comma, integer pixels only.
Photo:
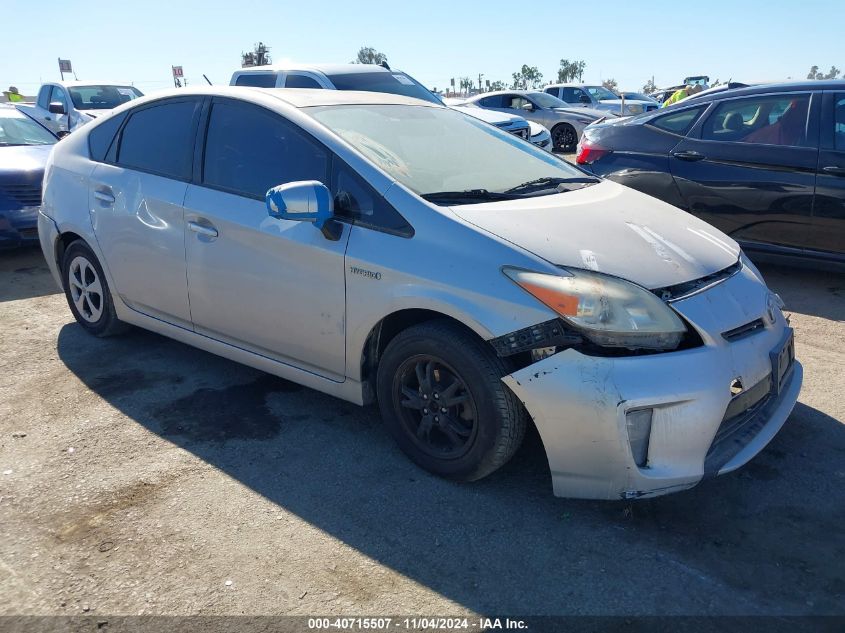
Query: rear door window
[
  {"x": 516, "y": 102},
  {"x": 249, "y": 150},
  {"x": 301, "y": 81},
  {"x": 764, "y": 119},
  {"x": 257, "y": 80},
  {"x": 160, "y": 139},
  {"x": 677, "y": 122},
  {"x": 573, "y": 95}
]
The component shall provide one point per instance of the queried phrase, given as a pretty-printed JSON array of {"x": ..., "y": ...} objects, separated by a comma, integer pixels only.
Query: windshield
[
  {"x": 600, "y": 92},
  {"x": 396, "y": 83},
  {"x": 437, "y": 150},
  {"x": 18, "y": 129},
  {"x": 102, "y": 97},
  {"x": 545, "y": 100}
]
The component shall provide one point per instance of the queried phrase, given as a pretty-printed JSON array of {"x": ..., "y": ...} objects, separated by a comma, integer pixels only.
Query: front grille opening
[
  {"x": 743, "y": 331},
  {"x": 679, "y": 291},
  {"x": 746, "y": 414},
  {"x": 26, "y": 194}
]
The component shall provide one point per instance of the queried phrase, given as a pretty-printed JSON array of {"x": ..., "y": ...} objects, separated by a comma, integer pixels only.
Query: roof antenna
[{"x": 383, "y": 64}]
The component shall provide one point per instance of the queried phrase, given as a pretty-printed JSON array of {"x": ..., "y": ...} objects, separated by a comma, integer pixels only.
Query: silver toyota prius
[{"x": 384, "y": 249}]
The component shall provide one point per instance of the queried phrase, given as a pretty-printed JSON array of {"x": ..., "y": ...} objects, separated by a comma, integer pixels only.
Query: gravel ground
[{"x": 139, "y": 475}]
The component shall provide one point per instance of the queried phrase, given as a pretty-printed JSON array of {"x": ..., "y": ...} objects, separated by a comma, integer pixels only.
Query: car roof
[
  {"x": 326, "y": 69},
  {"x": 505, "y": 92},
  {"x": 795, "y": 86},
  {"x": 296, "y": 97},
  {"x": 81, "y": 84}
]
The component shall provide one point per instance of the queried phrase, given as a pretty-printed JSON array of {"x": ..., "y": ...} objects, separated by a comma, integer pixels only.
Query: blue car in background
[{"x": 25, "y": 145}]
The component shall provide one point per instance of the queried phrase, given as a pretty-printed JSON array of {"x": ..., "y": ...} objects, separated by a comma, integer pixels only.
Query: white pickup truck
[{"x": 65, "y": 105}]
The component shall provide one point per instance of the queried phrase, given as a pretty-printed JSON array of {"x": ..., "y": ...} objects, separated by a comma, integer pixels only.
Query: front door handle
[
  {"x": 688, "y": 155},
  {"x": 104, "y": 195},
  {"x": 202, "y": 229},
  {"x": 834, "y": 170}
]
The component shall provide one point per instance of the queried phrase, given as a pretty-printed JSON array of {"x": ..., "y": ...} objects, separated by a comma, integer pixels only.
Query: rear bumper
[
  {"x": 48, "y": 234},
  {"x": 579, "y": 404}
]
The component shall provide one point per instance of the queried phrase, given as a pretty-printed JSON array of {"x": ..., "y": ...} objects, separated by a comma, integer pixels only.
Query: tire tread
[{"x": 511, "y": 414}]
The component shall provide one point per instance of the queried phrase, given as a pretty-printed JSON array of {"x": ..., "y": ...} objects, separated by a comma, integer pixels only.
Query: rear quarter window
[
  {"x": 677, "y": 122},
  {"x": 492, "y": 102},
  {"x": 301, "y": 81},
  {"x": 100, "y": 138}
]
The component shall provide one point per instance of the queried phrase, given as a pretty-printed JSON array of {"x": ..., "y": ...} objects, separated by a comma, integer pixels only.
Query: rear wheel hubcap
[{"x": 86, "y": 291}]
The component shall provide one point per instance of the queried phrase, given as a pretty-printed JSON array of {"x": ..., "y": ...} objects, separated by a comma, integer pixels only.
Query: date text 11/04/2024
[{"x": 416, "y": 624}]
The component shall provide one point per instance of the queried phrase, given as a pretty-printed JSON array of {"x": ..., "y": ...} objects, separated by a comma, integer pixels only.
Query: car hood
[
  {"x": 536, "y": 129},
  {"x": 490, "y": 116},
  {"x": 23, "y": 158},
  {"x": 96, "y": 114},
  {"x": 611, "y": 229}
]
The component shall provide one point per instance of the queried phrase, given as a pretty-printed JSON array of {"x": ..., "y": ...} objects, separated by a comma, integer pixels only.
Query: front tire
[
  {"x": 564, "y": 138},
  {"x": 442, "y": 399},
  {"x": 87, "y": 291}
]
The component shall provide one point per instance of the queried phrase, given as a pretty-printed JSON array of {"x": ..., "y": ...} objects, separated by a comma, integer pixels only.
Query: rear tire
[
  {"x": 564, "y": 138},
  {"x": 87, "y": 291},
  {"x": 442, "y": 399}
]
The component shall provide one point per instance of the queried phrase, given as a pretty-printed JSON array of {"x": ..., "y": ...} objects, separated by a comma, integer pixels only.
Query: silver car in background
[
  {"x": 565, "y": 123},
  {"x": 516, "y": 125},
  {"x": 373, "y": 78},
  {"x": 599, "y": 98},
  {"x": 383, "y": 249},
  {"x": 63, "y": 106}
]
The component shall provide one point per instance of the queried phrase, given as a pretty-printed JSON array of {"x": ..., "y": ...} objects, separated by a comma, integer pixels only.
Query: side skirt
[{"x": 349, "y": 390}]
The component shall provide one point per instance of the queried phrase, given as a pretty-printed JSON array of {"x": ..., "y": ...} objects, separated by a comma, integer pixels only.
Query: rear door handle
[
  {"x": 688, "y": 155},
  {"x": 201, "y": 229},
  {"x": 104, "y": 195},
  {"x": 834, "y": 170}
]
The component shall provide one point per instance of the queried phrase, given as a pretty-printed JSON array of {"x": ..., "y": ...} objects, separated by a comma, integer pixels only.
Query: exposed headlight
[
  {"x": 635, "y": 109},
  {"x": 608, "y": 311}
]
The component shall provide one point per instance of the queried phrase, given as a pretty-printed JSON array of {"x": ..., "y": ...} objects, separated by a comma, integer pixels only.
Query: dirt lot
[{"x": 138, "y": 475}]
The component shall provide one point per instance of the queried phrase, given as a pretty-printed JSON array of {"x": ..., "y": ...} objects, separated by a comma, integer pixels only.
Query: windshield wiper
[
  {"x": 549, "y": 182},
  {"x": 469, "y": 195}
]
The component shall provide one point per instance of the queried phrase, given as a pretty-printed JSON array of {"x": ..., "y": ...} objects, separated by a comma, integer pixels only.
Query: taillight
[{"x": 589, "y": 152}]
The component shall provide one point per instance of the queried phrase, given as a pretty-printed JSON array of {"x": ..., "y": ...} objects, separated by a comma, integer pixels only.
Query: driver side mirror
[
  {"x": 56, "y": 107},
  {"x": 304, "y": 201},
  {"x": 585, "y": 99},
  {"x": 528, "y": 107}
]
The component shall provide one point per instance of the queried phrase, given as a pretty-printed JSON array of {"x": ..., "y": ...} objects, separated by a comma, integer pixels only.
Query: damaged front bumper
[{"x": 713, "y": 407}]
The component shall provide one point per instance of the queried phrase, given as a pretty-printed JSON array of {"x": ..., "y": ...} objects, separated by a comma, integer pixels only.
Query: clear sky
[{"x": 137, "y": 41}]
